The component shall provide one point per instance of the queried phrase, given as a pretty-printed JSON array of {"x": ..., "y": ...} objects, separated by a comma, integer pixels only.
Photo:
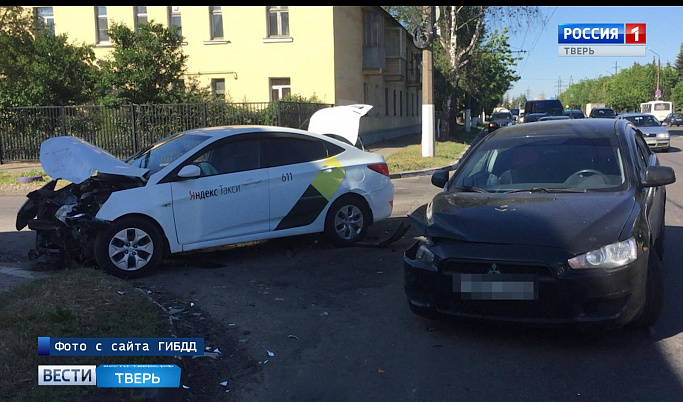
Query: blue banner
[
  {"x": 593, "y": 34},
  {"x": 138, "y": 376},
  {"x": 120, "y": 346}
]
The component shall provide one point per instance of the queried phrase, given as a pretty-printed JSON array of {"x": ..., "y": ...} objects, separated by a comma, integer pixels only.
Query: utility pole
[{"x": 428, "y": 114}]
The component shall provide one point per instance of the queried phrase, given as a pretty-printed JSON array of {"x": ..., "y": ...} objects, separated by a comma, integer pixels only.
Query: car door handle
[
  {"x": 252, "y": 182},
  {"x": 327, "y": 169}
]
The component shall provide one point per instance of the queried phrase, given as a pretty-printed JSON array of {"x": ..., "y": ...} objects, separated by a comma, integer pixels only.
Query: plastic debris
[
  {"x": 279, "y": 299},
  {"x": 224, "y": 384},
  {"x": 324, "y": 313},
  {"x": 293, "y": 337},
  {"x": 271, "y": 354},
  {"x": 208, "y": 354},
  {"x": 120, "y": 292},
  {"x": 191, "y": 304},
  {"x": 380, "y": 371},
  {"x": 173, "y": 310},
  {"x": 216, "y": 351},
  {"x": 186, "y": 387}
]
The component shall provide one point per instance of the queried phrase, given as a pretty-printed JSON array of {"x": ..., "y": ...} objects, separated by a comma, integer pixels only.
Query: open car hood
[
  {"x": 343, "y": 121},
  {"x": 75, "y": 160}
]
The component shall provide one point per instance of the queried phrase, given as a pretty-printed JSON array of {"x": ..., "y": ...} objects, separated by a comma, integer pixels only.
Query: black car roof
[{"x": 584, "y": 127}]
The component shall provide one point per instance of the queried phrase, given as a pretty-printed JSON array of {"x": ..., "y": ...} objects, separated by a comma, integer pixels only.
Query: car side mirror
[
  {"x": 190, "y": 171},
  {"x": 440, "y": 178},
  {"x": 658, "y": 176}
]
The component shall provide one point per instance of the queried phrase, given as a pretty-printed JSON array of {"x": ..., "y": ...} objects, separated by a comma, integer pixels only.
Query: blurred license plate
[{"x": 495, "y": 287}]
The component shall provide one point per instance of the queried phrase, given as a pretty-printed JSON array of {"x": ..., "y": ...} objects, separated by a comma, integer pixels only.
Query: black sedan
[
  {"x": 556, "y": 222},
  {"x": 673, "y": 119},
  {"x": 500, "y": 119}
]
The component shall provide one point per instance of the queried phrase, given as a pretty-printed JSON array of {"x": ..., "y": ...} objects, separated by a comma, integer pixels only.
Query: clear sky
[{"x": 542, "y": 70}]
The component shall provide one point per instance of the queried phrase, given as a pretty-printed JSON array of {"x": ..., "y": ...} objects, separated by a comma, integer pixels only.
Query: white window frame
[
  {"x": 282, "y": 88},
  {"x": 102, "y": 25},
  {"x": 280, "y": 17},
  {"x": 141, "y": 17},
  {"x": 216, "y": 13},
  {"x": 47, "y": 16}
]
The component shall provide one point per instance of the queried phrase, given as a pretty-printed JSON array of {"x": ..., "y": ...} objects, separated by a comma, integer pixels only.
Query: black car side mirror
[
  {"x": 657, "y": 176},
  {"x": 440, "y": 178}
]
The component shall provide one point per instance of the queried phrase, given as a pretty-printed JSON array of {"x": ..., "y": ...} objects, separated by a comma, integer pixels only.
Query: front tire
[
  {"x": 654, "y": 293},
  {"x": 129, "y": 248},
  {"x": 347, "y": 221}
]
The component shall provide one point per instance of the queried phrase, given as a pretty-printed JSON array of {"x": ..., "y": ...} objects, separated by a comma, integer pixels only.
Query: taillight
[{"x": 380, "y": 168}]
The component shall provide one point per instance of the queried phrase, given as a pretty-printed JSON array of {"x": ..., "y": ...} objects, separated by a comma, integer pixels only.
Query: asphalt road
[{"x": 354, "y": 338}]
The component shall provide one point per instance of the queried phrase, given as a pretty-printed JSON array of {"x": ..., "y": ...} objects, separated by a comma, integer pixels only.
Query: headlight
[
  {"x": 663, "y": 135},
  {"x": 63, "y": 212},
  {"x": 425, "y": 255},
  {"x": 611, "y": 256}
]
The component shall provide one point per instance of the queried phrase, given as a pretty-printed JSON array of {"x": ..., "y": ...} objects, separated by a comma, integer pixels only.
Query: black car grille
[
  {"x": 550, "y": 306},
  {"x": 507, "y": 309},
  {"x": 479, "y": 267}
]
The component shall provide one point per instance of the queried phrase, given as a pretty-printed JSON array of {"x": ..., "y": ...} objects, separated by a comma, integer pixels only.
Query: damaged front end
[{"x": 64, "y": 217}]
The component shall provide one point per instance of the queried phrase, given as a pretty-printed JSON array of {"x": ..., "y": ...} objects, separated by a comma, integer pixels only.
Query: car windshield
[
  {"x": 162, "y": 153},
  {"x": 643, "y": 121},
  {"x": 545, "y": 164},
  {"x": 501, "y": 116}
]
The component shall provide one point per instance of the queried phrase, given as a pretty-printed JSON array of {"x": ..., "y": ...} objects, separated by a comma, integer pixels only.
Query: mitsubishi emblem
[{"x": 494, "y": 269}]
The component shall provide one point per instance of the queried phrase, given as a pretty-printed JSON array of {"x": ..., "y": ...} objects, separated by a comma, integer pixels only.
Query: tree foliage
[
  {"x": 38, "y": 68},
  {"x": 144, "y": 67}
]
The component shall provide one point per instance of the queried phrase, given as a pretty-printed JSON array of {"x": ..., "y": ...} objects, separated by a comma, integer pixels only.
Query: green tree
[
  {"x": 38, "y": 68},
  {"x": 144, "y": 67},
  {"x": 491, "y": 72},
  {"x": 679, "y": 63}
]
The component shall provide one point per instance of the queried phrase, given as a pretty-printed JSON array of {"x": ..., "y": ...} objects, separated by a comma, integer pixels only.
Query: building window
[
  {"x": 140, "y": 17},
  {"x": 279, "y": 87},
  {"x": 386, "y": 101},
  {"x": 218, "y": 87},
  {"x": 45, "y": 19},
  {"x": 278, "y": 21},
  {"x": 216, "y": 22},
  {"x": 174, "y": 18},
  {"x": 394, "y": 102},
  {"x": 400, "y": 103},
  {"x": 102, "y": 26}
]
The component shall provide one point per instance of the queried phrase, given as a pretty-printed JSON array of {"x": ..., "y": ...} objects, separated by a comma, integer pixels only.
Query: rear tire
[
  {"x": 347, "y": 221},
  {"x": 129, "y": 248},
  {"x": 654, "y": 293}
]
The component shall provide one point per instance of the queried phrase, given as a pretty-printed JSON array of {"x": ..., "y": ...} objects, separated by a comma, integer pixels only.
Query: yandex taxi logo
[{"x": 635, "y": 34}]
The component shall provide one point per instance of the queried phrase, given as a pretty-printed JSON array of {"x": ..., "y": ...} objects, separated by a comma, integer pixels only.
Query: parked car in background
[
  {"x": 574, "y": 114},
  {"x": 673, "y": 119},
  {"x": 656, "y": 135},
  {"x": 546, "y": 118},
  {"x": 207, "y": 187},
  {"x": 602, "y": 113},
  {"x": 500, "y": 119},
  {"x": 532, "y": 117},
  {"x": 515, "y": 114},
  {"x": 551, "y": 107},
  {"x": 547, "y": 224}
]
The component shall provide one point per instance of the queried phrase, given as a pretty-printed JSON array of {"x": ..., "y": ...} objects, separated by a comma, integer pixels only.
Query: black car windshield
[
  {"x": 162, "y": 153},
  {"x": 501, "y": 116},
  {"x": 542, "y": 164}
]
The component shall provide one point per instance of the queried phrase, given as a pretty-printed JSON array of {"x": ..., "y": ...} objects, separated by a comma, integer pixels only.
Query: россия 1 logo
[{"x": 606, "y": 39}]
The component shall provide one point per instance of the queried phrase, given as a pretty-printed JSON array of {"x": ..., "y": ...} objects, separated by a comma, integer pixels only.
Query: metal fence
[{"x": 124, "y": 130}]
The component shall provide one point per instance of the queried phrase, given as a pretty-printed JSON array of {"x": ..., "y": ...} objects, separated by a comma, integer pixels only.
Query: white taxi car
[{"x": 207, "y": 187}]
